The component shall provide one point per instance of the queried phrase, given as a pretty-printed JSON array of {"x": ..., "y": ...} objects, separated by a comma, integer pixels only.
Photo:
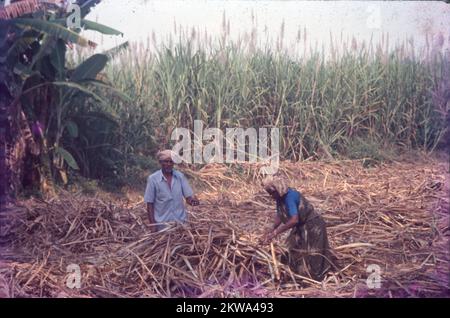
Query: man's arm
[
  {"x": 149, "y": 198},
  {"x": 192, "y": 200},
  {"x": 151, "y": 215}
]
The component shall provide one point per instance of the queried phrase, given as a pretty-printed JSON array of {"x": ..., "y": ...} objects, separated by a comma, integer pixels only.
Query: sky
[{"x": 140, "y": 20}]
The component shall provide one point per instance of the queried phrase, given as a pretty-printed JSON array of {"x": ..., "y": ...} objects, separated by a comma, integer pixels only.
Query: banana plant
[{"x": 43, "y": 96}]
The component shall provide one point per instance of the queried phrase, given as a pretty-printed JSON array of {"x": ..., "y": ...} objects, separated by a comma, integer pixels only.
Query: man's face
[{"x": 166, "y": 165}]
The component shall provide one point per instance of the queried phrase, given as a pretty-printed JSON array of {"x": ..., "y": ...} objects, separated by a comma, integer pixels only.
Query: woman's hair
[{"x": 278, "y": 184}]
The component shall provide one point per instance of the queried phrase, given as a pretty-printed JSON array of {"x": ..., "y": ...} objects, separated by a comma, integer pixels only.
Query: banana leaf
[
  {"x": 58, "y": 58},
  {"x": 51, "y": 28},
  {"x": 117, "y": 92},
  {"x": 72, "y": 128},
  {"x": 94, "y": 26},
  {"x": 89, "y": 68},
  {"x": 111, "y": 53},
  {"x": 68, "y": 158}
]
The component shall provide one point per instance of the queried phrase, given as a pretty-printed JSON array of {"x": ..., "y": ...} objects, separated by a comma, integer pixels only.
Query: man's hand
[
  {"x": 192, "y": 201},
  {"x": 152, "y": 228}
]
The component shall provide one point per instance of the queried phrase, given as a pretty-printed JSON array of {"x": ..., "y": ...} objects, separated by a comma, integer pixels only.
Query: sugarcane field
[{"x": 216, "y": 149}]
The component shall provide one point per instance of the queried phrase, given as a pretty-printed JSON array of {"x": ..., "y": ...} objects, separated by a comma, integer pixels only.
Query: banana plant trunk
[{"x": 4, "y": 177}]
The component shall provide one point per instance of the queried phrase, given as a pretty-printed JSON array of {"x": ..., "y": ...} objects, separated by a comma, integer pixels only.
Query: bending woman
[{"x": 309, "y": 253}]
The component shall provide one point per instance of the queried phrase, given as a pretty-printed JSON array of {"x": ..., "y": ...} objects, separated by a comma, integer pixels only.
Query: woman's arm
[
  {"x": 282, "y": 228},
  {"x": 276, "y": 222},
  {"x": 293, "y": 220},
  {"x": 269, "y": 231}
]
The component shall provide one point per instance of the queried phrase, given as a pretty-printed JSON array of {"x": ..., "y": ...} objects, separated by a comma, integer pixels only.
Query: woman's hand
[
  {"x": 271, "y": 236},
  {"x": 268, "y": 237}
]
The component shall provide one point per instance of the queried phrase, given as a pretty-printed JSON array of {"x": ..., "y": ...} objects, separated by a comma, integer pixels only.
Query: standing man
[{"x": 165, "y": 191}]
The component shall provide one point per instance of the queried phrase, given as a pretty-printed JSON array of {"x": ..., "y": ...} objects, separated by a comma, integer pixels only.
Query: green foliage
[
  {"x": 94, "y": 26},
  {"x": 72, "y": 129},
  {"x": 53, "y": 97},
  {"x": 90, "y": 68},
  {"x": 320, "y": 105},
  {"x": 55, "y": 30},
  {"x": 359, "y": 105},
  {"x": 370, "y": 151},
  {"x": 67, "y": 157}
]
